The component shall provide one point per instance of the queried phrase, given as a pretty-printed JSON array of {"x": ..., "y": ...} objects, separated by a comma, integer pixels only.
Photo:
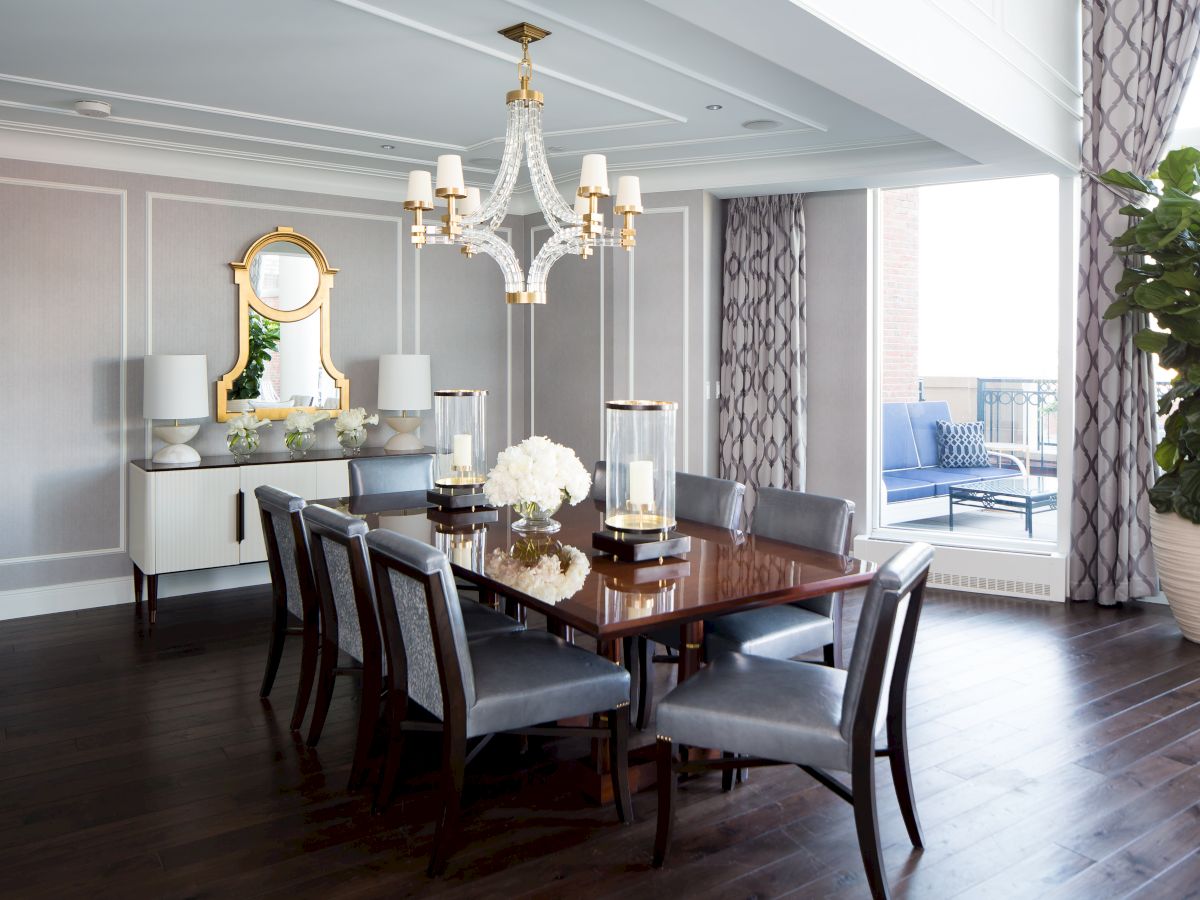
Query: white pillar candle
[
  {"x": 629, "y": 191},
  {"x": 641, "y": 483},
  {"x": 450, "y": 173},
  {"x": 460, "y": 552},
  {"x": 594, "y": 172},
  {"x": 460, "y": 453},
  {"x": 420, "y": 187}
]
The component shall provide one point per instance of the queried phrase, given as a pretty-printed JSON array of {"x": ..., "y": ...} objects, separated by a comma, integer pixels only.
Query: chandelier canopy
[{"x": 471, "y": 223}]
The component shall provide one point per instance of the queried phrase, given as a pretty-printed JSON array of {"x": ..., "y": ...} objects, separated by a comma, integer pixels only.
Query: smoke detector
[{"x": 94, "y": 109}]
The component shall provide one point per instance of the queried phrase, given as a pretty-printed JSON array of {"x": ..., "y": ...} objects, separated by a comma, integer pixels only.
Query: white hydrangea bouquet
[
  {"x": 242, "y": 436},
  {"x": 300, "y": 431},
  {"x": 351, "y": 427},
  {"x": 535, "y": 478},
  {"x": 547, "y": 570}
]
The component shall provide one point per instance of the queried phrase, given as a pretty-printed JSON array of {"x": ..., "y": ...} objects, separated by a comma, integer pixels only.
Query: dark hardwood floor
[{"x": 1056, "y": 749}]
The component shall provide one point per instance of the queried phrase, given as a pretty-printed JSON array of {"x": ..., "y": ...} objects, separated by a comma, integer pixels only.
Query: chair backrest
[
  {"x": 712, "y": 501},
  {"x": 288, "y": 558},
  {"x": 910, "y": 433},
  {"x": 343, "y": 579},
  {"x": 806, "y": 520},
  {"x": 877, "y": 677},
  {"x": 423, "y": 627},
  {"x": 391, "y": 474}
]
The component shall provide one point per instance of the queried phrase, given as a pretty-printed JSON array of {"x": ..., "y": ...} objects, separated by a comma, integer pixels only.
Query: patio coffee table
[{"x": 1022, "y": 494}]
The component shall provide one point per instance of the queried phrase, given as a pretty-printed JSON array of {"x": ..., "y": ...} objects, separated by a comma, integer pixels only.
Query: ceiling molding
[
  {"x": 415, "y": 25},
  {"x": 663, "y": 62}
]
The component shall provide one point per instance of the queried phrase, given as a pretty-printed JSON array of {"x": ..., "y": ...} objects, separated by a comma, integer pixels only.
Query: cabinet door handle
[{"x": 241, "y": 515}]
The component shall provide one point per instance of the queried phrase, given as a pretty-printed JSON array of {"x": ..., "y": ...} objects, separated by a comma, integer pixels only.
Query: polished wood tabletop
[{"x": 723, "y": 572}]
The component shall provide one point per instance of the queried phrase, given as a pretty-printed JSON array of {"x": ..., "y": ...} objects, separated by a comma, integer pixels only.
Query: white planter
[{"x": 1177, "y": 555}]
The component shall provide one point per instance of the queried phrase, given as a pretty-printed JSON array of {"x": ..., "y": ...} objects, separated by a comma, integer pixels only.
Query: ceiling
[{"x": 325, "y": 84}]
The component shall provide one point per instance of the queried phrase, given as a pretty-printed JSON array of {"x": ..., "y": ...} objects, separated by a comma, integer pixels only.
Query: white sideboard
[{"x": 183, "y": 518}]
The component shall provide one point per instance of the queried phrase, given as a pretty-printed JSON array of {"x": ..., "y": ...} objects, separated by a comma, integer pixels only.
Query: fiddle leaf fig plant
[
  {"x": 263, "y": 341},
  {"x": 1162, "y": 278}
]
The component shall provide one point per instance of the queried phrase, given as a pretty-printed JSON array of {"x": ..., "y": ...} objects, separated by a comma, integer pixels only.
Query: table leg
[
  {"x": 691, "y": 646},
  {"x": 1029, "y": 517},
  {"x": 951, "y": 512}
]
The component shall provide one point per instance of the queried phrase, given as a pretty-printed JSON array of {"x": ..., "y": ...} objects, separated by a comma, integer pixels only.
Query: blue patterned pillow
[{"x": 960, "y": 445}]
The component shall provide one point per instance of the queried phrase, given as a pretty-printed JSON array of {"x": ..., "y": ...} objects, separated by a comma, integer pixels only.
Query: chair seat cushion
[
  {"x": 771, "y": 708},
  {"x": 900, "y": 488},
  {"x": 529, "y": 677},
  {"x": 943, "y": 479},
  {"x": 780, "y": 632},
  {"x": 483, "y": 621}
]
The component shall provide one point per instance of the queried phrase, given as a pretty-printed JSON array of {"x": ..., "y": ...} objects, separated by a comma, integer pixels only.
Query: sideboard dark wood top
[{"x": 266, "y": 459}]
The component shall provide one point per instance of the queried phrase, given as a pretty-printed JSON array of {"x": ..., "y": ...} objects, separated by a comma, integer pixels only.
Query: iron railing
[{"x": 1022, "y": 411}]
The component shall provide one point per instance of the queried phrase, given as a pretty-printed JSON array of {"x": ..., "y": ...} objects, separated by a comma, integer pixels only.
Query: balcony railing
[{"x": 1022, "y": 411}]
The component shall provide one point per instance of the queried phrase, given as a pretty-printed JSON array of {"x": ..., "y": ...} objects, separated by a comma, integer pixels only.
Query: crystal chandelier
[{"x": 471, "y": 224}]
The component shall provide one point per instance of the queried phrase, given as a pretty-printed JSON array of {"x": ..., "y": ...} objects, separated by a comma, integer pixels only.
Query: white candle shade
[
  {"x": 581, "y": 204},
  {"x": 629, "y": 191},
  {"x": 641, "y": 483},
  {"x": 175, "y": 387},
  {"x": 470, "y": 205},
  {"x": 404, "y": 382},
  {"x": 460, "y": 453},
  {"x": 594, "y": 172},
  {"x": 450, "y": 174},
  {"x": 420, "y": 187}
]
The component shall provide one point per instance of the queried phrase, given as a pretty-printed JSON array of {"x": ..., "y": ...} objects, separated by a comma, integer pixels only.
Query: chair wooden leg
[
  {"x": 618, "y": 761},
  {"x": 454, "y": 761},
  {"x": 368, "y": 725},
  {"x": 397, "y": 711},
  {"x": 727, "y": 774},
  {"x": 311, "y": 645},
  {"x": 279, "y": 622},
  {"x": 866, "y": 822},
  {"x": 325, "y": 678},
  {"x": 902, "y": 777},
  {"x": 639, "y": 660},
  {"x": 666, "y": 801}
]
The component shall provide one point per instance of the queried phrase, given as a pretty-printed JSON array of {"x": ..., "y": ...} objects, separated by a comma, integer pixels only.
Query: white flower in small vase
[
  {"x": 300, "y": 431},
  {"x": 242, "y": 435},
  {"x": 535, "y": 478},
  {"x": 351, "y": 429}
]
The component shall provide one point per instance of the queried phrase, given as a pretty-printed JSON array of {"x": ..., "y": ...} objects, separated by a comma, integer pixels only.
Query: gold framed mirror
[{"x": 283, "y": 361}]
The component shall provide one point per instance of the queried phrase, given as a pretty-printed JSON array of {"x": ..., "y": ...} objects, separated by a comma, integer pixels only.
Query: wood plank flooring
[{"x": 1056, "y": 749}]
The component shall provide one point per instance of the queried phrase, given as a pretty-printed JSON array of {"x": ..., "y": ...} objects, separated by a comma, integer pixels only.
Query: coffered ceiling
[{"x": 377, "y": 88}]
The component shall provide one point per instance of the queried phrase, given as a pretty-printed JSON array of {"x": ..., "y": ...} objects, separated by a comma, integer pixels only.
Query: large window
[{"x": 969, "y": 284}]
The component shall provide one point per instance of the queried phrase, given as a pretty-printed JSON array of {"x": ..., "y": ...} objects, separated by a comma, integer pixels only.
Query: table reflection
[
  {"x": 634, "y": 592},
  {"x": 545, "y": 569}
]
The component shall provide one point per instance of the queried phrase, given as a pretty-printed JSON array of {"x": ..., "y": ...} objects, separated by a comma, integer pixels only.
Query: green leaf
[
  {"x": 1167, "y": 455},
  {"x": 1162, "y": 494},
  {"x": 1156, "y": 295},
  {"x": 1182, "y": 278},
  {"x": 1130, "y": 181},
  {"x": 1178, "y": 169},
  {"x": 1189, "y": 480},
  {"x": 1118, "y": 309},
  {"x": 1150, "y": 341},
  {"x": 1136, "y": 211}
]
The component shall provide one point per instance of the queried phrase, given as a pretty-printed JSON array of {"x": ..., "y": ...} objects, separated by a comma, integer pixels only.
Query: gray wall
[{"x": 837, "y": 230}]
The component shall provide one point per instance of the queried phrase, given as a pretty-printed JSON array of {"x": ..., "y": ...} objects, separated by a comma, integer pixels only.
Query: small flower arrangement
[
  {"x": 300, "y": 431},
  {"x": 242, "y": 436},
  {"x": 536, "y": 477},
  {"x": 546, "y": 570},
  {"x": 351, "y": 429}
]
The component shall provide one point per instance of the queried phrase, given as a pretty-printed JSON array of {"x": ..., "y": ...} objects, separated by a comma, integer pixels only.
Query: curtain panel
[
  {"x": 1138, "y": 56},
  {"x": 763, "y": 345}
]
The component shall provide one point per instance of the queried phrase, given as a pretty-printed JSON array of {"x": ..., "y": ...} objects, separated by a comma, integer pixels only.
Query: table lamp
[
  {"x": 404, "y": 388},
  {"x": 175, "y": 387}
]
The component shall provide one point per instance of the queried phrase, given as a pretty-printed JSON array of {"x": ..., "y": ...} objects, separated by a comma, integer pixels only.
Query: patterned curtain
[
  {"x": 764, "y": 372},
  {"x": 1137, "y": 59}
]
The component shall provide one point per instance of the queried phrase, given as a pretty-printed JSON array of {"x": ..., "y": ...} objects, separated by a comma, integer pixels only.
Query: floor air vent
[{"x": 989, "y": 585}]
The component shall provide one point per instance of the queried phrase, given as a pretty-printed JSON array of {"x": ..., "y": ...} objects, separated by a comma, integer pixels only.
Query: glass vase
[
  {"x": 352, "y": 441},
  {"x": 242, "y": 446},
  {"x": 534, "y": 519},
  {"x": 298, "y": 443}
]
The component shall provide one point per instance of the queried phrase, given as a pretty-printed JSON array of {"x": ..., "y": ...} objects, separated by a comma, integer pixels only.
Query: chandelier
[{"x": 471, "y": 224}]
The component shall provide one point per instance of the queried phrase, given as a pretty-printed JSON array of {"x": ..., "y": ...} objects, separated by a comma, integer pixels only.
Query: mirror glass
[
  {"x": 283, "y": 275},
  {"x": 285, "y": 369}
]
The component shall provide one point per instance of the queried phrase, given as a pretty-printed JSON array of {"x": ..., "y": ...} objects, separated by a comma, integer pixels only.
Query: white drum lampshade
[
  {"x": 175, "y": 387},
  {"x": 403, "y": 388}
]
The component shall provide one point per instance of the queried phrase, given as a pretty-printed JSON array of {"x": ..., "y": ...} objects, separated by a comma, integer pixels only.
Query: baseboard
[
  {"x": 58, "y": 598},
  {"x": 1006, "y": 573}
]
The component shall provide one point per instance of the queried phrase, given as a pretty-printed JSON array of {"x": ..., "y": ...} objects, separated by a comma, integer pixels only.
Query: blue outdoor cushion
[
  {"x": 924, "y": 417},
  {"x": 942, "y": 479},
  {"x": 899, "y": 489},
  {"x": 899, "y": 447},
  {"x": 961, "y": 445}
]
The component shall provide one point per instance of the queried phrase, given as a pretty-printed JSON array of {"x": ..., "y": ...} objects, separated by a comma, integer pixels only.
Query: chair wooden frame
[
  {"x": 453, "y": 727},
  {"x": 310, "y": 627},
  {"x": 860, "y": 793}
]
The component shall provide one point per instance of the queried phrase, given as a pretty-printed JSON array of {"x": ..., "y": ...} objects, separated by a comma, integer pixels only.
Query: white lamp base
[
  {"x": 176, "y": 452},
  {"x": 405, "y": 437}
]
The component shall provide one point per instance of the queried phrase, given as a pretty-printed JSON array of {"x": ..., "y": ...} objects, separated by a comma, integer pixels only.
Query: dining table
[{"x": 581, "y": 590}]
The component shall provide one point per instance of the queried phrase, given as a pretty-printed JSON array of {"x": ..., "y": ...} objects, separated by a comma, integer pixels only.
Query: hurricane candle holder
[
  {"x": 465, "y": 546},
  {"x": 459, "y": 428}
]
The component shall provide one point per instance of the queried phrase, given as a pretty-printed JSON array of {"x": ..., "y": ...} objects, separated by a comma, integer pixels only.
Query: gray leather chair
[
  {"x": 391, "y": 474},
  {"x": 781, "y": 712},
  {"x": 293, "y": 592},
  {"x": 699, "y": 498},
  {"x": 475, "y": 689},
  {"x": 350, "y": 630}
]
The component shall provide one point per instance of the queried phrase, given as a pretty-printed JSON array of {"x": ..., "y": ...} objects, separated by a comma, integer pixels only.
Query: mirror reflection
[{"x": 283, "y": 275}]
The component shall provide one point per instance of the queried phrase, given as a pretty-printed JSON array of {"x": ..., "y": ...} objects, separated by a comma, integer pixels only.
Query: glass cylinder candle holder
[
  {"x": 465, "y": 547},
  {"x": 459, "y": 430},
  {"x": 640, "y": 466}
]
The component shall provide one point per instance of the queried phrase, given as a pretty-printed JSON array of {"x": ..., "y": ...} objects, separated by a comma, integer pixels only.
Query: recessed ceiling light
[
  {"x": 760, "y": 124},
  {"x": 556, "y": 149},
  {"x": 484, "y": 162},
  {"x": 94, "y": 109},
  {"x": 387, "y": 146},
  {"x": 714, "y": 106}
]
